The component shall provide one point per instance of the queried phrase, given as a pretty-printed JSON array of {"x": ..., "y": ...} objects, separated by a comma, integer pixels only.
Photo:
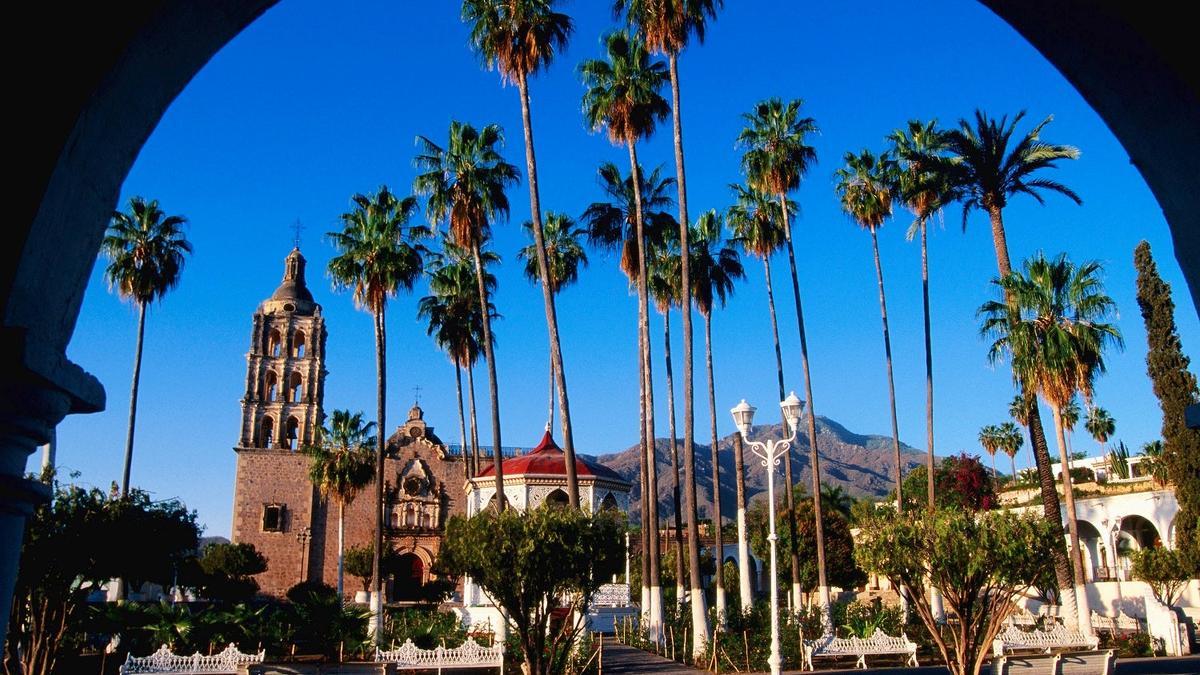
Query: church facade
[{"x": 276, "y": 507}]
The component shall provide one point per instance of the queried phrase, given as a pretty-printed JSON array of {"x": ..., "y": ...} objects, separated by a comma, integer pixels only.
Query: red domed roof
[{"x": 547, "y": 460}]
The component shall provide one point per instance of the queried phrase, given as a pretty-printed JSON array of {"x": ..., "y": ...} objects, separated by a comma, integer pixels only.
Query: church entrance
[{"x": 407, "y": 578}]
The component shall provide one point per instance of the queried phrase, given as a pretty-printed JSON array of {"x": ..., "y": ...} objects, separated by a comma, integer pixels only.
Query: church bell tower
[{"x": 285, "y": 368}]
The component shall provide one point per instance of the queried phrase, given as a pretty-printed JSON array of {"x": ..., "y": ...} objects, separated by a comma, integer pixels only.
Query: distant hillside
[{"x": 862, "y": 465}]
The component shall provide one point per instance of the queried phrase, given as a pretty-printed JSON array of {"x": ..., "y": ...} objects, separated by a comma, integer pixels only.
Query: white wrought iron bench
[
  {"x": 469, "y": 654},
  {"x": 1058, "y": 638},
  {"x": 1121, "y": 623},
  {"x": 878, "y": 644},
  {"x": 166, "y": 661},
  {"x": 1074, "y": 663}
]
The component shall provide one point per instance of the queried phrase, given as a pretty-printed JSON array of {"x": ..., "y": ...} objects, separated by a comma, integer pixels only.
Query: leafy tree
[
  {"x": 227, "y": 572},
  {"x": 977, "y": 562},
  {"x": 358, "y": 562},
  {"x": 841, "y": 569},
  {"x": 464, "y": 184},
  {"x": 506, "y": 552},
  {"x": 961, "y": 482},
  {"x": 1166, "y": 570},
  {"x": 520, "y": 38},
  {"x": 1175, "y": 387},
  {"x": 73, "y": 545},
  {"x": 146, "y": 249},
  {"x": 379, "y": 253}
]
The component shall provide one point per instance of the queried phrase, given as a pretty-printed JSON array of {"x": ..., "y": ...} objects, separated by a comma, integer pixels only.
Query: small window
[{"x": 272, "y": 520}]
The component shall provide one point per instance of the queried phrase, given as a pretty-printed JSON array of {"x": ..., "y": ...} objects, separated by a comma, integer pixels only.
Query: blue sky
[{"x": 317, "y": 101}]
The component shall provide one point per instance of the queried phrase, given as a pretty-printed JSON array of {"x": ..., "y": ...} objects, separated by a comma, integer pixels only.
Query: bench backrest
[
  {"x": 469, "y": 654},
  {"x": 879, "y": 642},
  {"x": 1058, "y": 637},
  {"x": 166, "y": 661}
]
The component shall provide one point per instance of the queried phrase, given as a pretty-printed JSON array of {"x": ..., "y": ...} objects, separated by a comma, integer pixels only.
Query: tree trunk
[
  {"x": 468, "y": 469},
  {"x": 822, "y": 585},
  {"x": 1081, "y": 599},
  {"x": 651, "y": 516},
  {"x": 1037, "y": 437},
  {"x": 493, "y": 390},
  {"x": 133, "y": 398},
  {"x": 699, "y": 613},
  {"x": 535, "y": 209},
  {"x": 745, "y": 592},
  {"x": 474, "y": 425},
  {"x": 1013, "y": 460},
  {"x": 341, "y": 553},
  {"x": 928, "y": 367},
  {"x": 550, "y": 398},
  {"x": 718, "y": 544},
  {"x": 887, "y": 351},
  {"x": 674, "y": 460},
  {"x": 376, "y": 603}
]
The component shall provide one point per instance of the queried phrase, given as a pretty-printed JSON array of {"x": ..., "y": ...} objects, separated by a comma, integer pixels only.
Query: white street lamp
[{"x": 770, "y": 452}]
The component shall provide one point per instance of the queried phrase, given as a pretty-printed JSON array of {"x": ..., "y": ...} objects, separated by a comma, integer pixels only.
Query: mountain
[{"x": 862, "y": 465}]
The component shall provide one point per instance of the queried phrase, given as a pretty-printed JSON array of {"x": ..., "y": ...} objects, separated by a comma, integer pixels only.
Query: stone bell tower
[{"x": 285, "y": 368}]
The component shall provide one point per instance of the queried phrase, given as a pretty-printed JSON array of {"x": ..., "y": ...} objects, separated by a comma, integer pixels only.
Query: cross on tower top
[
  {"x": 417, "y": 395},
  {"x": 296, "y": 228}
]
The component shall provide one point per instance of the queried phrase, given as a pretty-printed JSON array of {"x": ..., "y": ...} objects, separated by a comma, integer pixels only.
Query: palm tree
[
  {"x": 1019, "y": 408},
  {"x": 987, "y": 167},
  {"x": 664, "y": 289},
  {"x": 379, "y": 253},
  {"x": 146, "y": 250},
  {"x": 756, "y": 224},
  {"x": 836, "y": 498},
  {"x": 777, "y": 156},
  {"x": 866, "y": 185},
  {"x": 564, "y": 258},
  {"x": 715, "y": 267},
  {"x": 519, "y": 38},
  {"x": 1070, "y": 415},
  {"x": 1051, "y": 325},
  {"x": 925, "y": 192},
  {"x": 667, "y": 26},
  {"x": 464, "y": 185},
  {"x": 342, "y": 465},
  {"x": 989, "y": 440},
  {"x": 1011, "y": 440},
  {"x": 1100, "y": 425},
  {"x": 456, "y": 325},
  {"x": 623, "y": 97}
]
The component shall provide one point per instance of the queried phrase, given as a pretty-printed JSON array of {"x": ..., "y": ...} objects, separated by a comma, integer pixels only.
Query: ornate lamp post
[{"x": 770, "y": 452}]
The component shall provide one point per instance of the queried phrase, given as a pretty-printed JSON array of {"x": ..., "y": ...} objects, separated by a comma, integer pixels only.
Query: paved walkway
[{"x": 619, "y": 658}]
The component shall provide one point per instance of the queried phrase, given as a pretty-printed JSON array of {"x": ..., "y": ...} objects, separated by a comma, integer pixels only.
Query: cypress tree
[{"x": 1175, "y": 387}]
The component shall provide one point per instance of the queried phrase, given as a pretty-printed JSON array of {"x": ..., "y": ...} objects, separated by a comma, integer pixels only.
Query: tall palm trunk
[
  {"x": 822, "y": 584},
  {"x": 647, "y": 399},
  {"x": 699, "y": 613},
  {"x": 341, "y": 552},
  {"x": 493, "y": 391},
  {"x": 474, "y": 424},
  {"x": 1037, "y": 440},
  {"x": 381, "y": 405},
  {"x": 718, "y": 544},
  {"x": 674, "y": 459},
  {"x": 556, "y": 364},
  {"x": 887, "y": 351},
  {"x": 993, "y": 454},
  {"x": 745, "y": 593},
  {"x": 644, "y": 483},
  {"x": 1013, "y": 460},
  {"x": 468, "y": 467},
  {"x": 1081, "y": 599},
  {"x": 550, "y": 398},
  {"x": 929, "y": 469},
  {"x": 133, "y": 398}
]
